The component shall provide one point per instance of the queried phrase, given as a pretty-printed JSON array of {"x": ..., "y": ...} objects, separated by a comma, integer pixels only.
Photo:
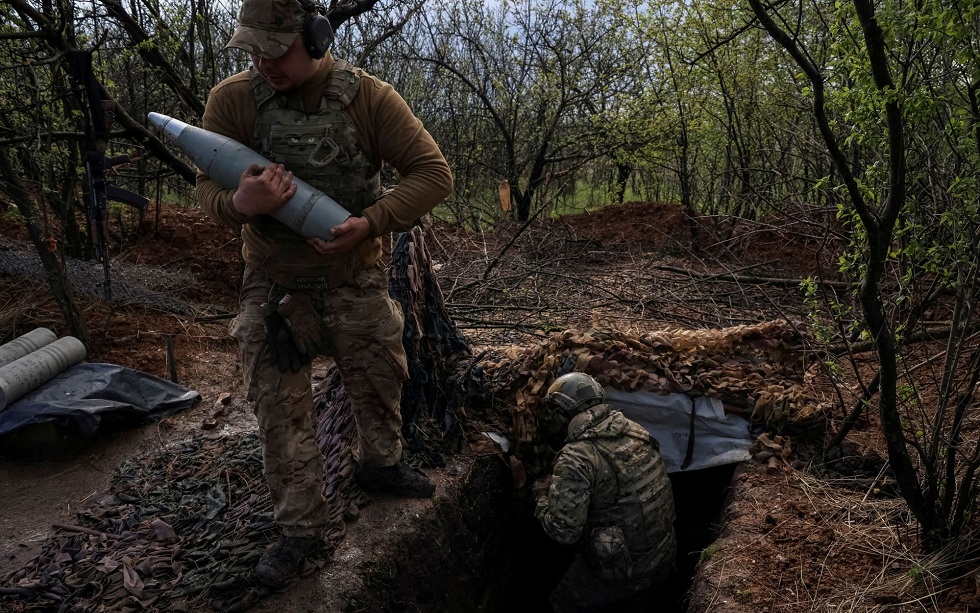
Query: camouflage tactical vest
[
  {"x": 321, "y": 148},
  {"x": 644, "y": 508}
]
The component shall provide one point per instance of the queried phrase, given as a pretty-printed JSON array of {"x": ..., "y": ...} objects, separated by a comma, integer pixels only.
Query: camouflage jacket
[{"x": 610, "y": 476}]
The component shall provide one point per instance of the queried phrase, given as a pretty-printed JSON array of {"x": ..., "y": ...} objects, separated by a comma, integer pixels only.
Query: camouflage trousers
[
  {"x": 366, "y": 330},
  {"x": 581, "y": 590}
]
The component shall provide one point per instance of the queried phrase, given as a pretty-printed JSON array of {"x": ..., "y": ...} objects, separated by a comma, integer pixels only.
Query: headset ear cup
[{"x": 317, "y": 35}]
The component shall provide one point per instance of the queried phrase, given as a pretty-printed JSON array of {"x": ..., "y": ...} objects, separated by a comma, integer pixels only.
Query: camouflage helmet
[{"x": 573, "y": 393}]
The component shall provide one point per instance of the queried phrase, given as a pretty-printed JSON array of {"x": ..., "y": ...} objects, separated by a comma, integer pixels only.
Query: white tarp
[{"x": 719, "y": 438}]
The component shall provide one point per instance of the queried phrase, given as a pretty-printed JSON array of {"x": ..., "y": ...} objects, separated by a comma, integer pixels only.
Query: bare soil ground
[{"x": 799, "y": 535}]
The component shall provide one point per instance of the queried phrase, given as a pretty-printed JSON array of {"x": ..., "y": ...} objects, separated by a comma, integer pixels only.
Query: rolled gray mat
[
  {"x": 33, "y": 370},
  {"x": 22, "y": 345}
]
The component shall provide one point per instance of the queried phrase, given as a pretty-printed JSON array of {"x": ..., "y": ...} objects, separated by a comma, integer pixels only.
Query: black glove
[
  {"x": 306, "y": 326},
  {"x": 285, "y": 354}
]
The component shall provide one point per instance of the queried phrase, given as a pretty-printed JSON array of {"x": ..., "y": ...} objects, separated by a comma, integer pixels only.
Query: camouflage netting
[
  {"x": 179, "y": 531},
  {"x": 438, "y": 361},
  {"x": 182, "y": 530},
  {"x": 754, "y": 370},
  {"x": 439, "y": 357},
  {"x": 176, "y": 532}
]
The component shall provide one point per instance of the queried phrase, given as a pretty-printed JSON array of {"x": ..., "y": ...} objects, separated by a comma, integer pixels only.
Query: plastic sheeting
[
  {"x": 719, "y": 438},
  {"x": 91, "y": 396}
]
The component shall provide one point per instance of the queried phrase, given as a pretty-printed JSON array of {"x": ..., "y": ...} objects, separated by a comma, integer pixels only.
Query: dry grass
[{"x": 829, "y": 548}]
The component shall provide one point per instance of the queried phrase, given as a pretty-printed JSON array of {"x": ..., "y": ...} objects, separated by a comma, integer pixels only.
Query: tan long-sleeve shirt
[{"x": 387, "y": 130}]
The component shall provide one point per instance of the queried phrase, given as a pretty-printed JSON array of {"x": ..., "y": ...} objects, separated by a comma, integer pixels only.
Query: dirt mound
[{"x": 639, "y": 224}]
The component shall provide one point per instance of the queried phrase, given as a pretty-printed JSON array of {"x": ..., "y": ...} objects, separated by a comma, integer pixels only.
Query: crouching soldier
[{"x": 609, "y": 495}]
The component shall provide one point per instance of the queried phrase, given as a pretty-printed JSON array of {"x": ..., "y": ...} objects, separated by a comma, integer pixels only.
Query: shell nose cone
[
  {"x": 167, "y": 125},
  {"x": 159, "y": 121}
]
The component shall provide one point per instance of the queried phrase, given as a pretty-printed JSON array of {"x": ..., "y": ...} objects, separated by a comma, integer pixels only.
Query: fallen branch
[{"x": 729, "y": 276}]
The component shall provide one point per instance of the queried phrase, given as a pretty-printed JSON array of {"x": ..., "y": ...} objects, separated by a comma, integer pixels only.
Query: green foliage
[
  {"x": 810, "y": 289},
  {"x": 916, "y": 574},
  {"x": 908, "y": 393},
  {"x": 571, "y": 102},
  {"x": 710, "y": 551},
  {"x": 909, "y": 209},
  {"x": 11, "y": 214}
]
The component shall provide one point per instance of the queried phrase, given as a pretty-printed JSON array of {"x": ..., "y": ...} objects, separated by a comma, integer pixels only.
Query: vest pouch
[
  {"x": 321, "y": 147},
  {"x": 609, "y": 554},
  {"x": 296, "y": 146}
]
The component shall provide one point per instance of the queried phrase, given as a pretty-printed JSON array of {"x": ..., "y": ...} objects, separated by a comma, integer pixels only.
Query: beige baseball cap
[{"x": 267, "y": 28}]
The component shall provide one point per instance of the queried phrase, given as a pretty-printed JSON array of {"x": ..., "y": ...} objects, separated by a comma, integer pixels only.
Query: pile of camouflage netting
[
  {"x": 440, "y": 364},
  {"x": 178, "y": 531},
  {"x": 182, "y": 530}
]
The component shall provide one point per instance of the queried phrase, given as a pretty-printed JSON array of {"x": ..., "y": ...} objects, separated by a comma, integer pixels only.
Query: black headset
[{"x": 317, "y": 31}]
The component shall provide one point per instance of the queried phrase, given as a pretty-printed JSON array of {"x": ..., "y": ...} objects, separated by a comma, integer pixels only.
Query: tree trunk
[
  {"x": 623, "y": 172},
  {"x": 56, "y": 275}
]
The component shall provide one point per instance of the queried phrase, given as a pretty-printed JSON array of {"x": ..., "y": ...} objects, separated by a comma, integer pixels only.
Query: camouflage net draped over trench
[
  {"x": 754, "y": 370},
  {"x": 182, "y": 530}
]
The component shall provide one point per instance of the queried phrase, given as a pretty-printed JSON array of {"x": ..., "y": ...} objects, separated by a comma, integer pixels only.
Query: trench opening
[{"x": 534, "y": 563}]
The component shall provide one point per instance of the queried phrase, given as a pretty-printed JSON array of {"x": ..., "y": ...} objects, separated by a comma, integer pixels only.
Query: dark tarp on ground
[{"x": 90, "y": 397}]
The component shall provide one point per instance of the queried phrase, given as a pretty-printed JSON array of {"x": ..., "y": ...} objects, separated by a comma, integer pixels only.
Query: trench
[
  {"x": 699, "y": 498},
  {"x": 495, "y": 558}
]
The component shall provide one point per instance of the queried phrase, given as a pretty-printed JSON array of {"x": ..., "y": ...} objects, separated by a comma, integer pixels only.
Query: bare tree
[{"x": 528, "y": 77}]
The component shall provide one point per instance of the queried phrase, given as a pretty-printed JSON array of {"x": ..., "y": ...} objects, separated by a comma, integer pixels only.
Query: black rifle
[{"x": 98, "y": 191}]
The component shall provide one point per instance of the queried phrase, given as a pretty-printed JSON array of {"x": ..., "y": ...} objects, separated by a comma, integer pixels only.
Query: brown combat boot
[
  {"x": 397, "y": 480},
  {"x": 282, "y": 561}
]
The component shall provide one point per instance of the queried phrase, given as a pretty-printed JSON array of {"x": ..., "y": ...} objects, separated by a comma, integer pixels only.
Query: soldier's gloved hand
[
  {"x": 306, "y": 327},
  {"x": 541, "y": 486},
  {"x": 285, "y": 354},
  {"x": 539, "y": 496}
]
